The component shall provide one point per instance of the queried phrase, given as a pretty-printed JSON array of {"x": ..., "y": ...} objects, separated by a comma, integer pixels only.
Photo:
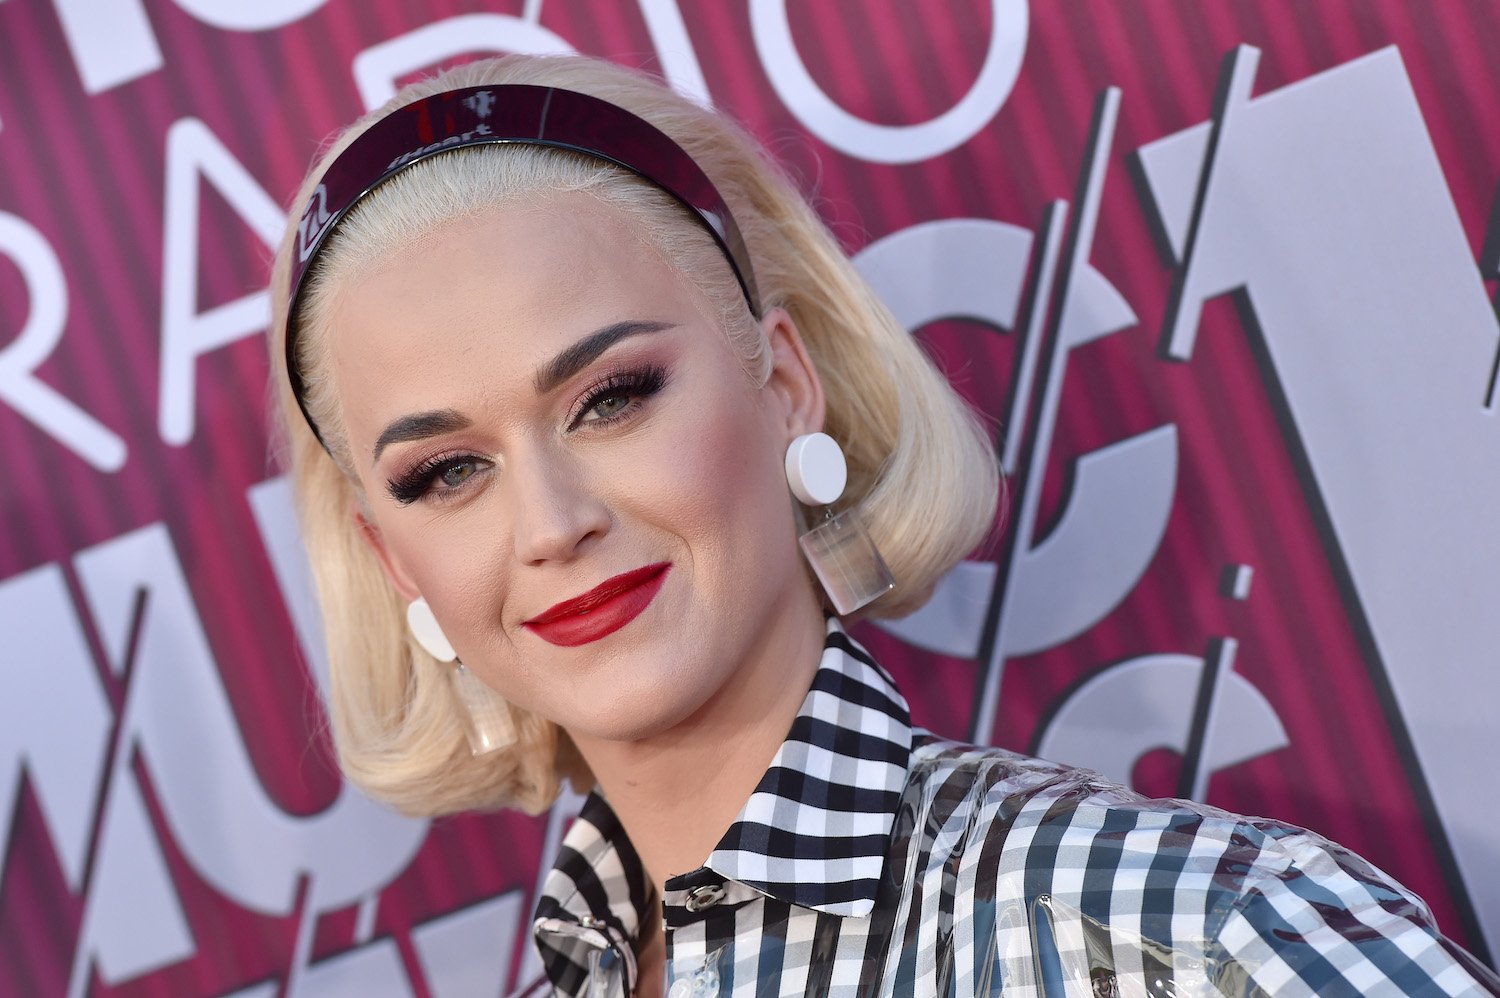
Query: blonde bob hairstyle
[{"x": 921, "y": 468}]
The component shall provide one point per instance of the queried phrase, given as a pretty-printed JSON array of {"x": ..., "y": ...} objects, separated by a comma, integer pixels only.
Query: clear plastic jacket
[{"x": 874, "y": 859}]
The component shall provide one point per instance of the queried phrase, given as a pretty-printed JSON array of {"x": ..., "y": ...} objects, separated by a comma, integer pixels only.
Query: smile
[{"x": 602, "y": 610}]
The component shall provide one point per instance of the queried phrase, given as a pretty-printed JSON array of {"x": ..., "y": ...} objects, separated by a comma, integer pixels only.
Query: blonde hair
[{"x": 921, "y": 468}]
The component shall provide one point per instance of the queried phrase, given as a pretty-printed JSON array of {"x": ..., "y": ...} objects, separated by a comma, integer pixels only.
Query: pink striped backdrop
[{"x": 87, "y": 171}]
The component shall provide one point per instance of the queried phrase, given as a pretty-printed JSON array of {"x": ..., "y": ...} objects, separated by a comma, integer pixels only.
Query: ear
[
  {"x": 793, "y": 386},
  {"x": 389, "y": 563}
]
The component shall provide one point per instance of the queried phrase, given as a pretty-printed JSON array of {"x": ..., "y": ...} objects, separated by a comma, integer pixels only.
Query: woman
[{"x": 555, "y": 348}]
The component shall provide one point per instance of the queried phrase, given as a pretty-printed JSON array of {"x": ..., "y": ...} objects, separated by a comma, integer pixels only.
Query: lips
[{"x": 602, "y": 610}]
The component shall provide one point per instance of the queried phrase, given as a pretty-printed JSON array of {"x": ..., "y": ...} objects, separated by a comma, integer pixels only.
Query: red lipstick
[{"x": 602, "y": 610}]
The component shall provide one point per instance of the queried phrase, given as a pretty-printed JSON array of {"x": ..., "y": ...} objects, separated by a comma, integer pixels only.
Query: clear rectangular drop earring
[
  {"x": 846, "y": 561},
  {"x": 484, "y": 713},
  {"x": 841, "y": 552}
]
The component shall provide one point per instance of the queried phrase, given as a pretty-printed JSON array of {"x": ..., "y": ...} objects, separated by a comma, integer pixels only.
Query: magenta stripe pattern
[{"x": 88, "y": 153}]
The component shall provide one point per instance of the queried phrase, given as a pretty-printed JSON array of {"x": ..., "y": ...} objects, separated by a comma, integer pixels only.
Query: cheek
[
  {"x": 456, "y": 566},
  {"x": 718, "y": 483}
]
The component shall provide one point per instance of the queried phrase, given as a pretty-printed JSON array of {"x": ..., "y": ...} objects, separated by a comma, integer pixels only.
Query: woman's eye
[
  {"x": 610, "y": 405},
  {"x": 456, "y": 474},
  {"x": 619, "y": 396},
  {"x": 437, "y": 479}
]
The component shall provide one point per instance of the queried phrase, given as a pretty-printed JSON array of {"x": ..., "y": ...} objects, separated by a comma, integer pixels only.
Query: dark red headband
[{"x": 527, "y": 115}]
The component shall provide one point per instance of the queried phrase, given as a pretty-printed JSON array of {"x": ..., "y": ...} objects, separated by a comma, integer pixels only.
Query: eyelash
[
  {"x": 412, "y": 485},
  {"x": 636, "y": 385}
]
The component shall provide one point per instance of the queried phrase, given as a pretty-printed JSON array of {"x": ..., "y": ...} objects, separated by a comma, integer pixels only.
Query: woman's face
[{"x": 538, "y": 404}]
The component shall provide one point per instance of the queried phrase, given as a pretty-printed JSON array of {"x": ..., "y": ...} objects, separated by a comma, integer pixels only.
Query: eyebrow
[
  {"x": 575, "y": 358},
  {"x": 418, "y": 427},
  {"x": 581, "y": 354}
]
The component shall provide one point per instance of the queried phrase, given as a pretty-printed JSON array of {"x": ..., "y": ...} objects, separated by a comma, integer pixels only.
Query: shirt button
[{"x": 703, "y": 897}]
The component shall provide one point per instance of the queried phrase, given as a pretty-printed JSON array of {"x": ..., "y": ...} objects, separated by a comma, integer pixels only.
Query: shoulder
[
  {"x": 1291, "y": 911},
  {"x": 1029, "y": 792},
  {"x": 1047, "y": 812}
]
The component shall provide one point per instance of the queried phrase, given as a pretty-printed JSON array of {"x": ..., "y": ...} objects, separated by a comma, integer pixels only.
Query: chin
[{"x": 632, "y": 712}]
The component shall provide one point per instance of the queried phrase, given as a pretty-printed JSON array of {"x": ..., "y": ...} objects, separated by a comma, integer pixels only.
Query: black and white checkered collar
[{"x": 814, "y": 833}]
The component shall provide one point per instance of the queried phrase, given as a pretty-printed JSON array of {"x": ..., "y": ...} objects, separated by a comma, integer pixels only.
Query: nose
[{"x": 556, "y": 514}]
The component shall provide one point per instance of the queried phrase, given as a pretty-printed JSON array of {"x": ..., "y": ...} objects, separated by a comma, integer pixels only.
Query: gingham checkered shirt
[{"x": 873, "y": 859}]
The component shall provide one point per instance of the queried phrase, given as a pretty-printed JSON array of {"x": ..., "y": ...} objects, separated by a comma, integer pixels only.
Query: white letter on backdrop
[
  {"x": 890, "y": 143},
  {"x": 1380, "y": 337},
  {"x": 187, "y": 334},
  {"x": 181, "y": 722},
  {"x": 37, "y": 401},
  {"x": 378, "y": 67},
  {"x": 236, "y": 15},
  {"x": 54, "y": 719},
  {"x": 674, "y": 50},
  {"x": 111, "y": 40}
]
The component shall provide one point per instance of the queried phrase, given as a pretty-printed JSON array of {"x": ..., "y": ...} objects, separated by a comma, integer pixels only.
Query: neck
[{"x": 676, "y": 792}]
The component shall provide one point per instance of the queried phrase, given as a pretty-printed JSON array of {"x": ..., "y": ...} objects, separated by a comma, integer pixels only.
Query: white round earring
[
  {"x": 428, "y": 632},
  {"x": 816, "y": 469},
  {"x": 841, "y": 553}
]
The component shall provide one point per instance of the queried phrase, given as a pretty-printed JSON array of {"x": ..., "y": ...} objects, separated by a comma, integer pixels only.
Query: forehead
[
  {"x": 530, "y": 257},
  {"x": 498, "y": 292}
]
